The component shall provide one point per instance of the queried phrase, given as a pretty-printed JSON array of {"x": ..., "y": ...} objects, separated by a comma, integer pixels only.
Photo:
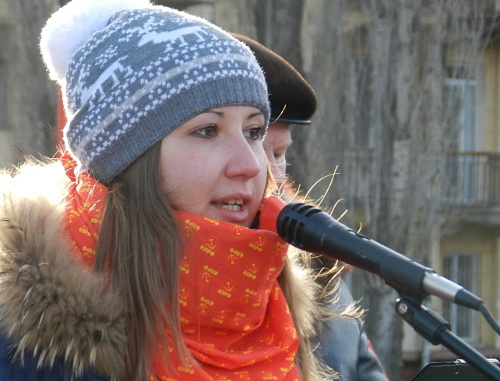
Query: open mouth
[{"x": 233, "y": 205}]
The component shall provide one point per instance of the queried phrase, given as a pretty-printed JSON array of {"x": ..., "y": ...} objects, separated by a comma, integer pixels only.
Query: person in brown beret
[
  {"x": 342, "y": 344},
  {"x": 292, "y": 100}
]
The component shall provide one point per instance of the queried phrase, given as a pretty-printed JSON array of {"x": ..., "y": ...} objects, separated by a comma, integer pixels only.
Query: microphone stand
[{"x": 436, "y": 330}]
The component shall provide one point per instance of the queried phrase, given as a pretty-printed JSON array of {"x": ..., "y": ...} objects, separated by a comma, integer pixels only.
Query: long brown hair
[{"x": 140, "y": 245}]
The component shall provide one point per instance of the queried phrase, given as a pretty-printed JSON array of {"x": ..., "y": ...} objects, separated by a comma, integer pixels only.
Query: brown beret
[{"x": 292, "y": 98}]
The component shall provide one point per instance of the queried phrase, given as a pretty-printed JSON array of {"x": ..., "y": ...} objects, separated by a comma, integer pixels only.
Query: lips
[{"x": 231, "y": 205}]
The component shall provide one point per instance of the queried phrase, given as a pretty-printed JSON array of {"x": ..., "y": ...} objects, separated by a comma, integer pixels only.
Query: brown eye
[
  {"x": 207, "y": 132},
  {"x": 255, "y": 133}
]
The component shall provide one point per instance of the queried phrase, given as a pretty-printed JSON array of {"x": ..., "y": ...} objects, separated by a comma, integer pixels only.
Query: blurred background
[{"x": 408, "y": 127}]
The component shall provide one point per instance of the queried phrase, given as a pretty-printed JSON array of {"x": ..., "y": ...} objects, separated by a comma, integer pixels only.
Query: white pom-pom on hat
[{"x": 72, "y": 25}]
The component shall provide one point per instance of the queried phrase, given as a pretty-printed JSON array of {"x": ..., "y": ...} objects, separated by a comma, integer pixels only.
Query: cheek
[
  {"x": 178, "y": 169},
  {"x": 170, "y": 178},
  {"x": 182, "y": 178},
  {"x": 175, "y": 168}
]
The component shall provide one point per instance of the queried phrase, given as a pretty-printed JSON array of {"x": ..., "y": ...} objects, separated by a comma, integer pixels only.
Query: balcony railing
[{"x": 472, "y": 179}]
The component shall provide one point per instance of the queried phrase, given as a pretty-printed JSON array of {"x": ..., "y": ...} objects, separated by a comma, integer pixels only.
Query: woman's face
[{"x": 214, "y": 165}]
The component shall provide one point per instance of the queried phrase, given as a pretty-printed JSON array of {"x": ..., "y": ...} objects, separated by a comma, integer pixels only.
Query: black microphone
[{"x": 311, "y": 229}]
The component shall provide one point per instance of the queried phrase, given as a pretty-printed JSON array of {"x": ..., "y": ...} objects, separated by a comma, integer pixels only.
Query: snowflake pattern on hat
[{"x": 144, "y": 74}]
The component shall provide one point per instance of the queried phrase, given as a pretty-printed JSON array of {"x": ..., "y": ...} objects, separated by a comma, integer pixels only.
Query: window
[
  {"x": 461, "y": 92},
  {"x": 462, "y": 269},
  {"x": 466, "y": 174}
]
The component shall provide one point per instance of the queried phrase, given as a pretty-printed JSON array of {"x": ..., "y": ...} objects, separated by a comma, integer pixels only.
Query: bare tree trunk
[
  {"x": 29, "y": 120},
  {"x": 380, "y": 70}
]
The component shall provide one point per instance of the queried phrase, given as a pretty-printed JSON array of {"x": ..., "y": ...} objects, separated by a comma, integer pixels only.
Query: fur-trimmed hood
[{"x": 51, "y": 305}]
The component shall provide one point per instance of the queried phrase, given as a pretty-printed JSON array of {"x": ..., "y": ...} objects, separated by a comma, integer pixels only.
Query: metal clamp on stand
[{"x": 436, "y": 330}]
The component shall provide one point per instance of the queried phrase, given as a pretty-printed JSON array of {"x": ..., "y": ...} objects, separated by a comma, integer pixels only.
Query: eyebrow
[{"x": 222, "y": 114}]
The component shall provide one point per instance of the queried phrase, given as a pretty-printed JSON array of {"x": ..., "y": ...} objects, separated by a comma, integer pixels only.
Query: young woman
[{"x": 138, "y": 255}]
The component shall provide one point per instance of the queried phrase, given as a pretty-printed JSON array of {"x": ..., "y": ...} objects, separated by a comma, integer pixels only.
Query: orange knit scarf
[{"x": 234, "y": 317}]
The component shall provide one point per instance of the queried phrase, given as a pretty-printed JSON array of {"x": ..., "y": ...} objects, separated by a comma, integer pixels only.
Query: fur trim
[
  {"x": 51, "y": 305},
  {"x": 72, "y": 25}
]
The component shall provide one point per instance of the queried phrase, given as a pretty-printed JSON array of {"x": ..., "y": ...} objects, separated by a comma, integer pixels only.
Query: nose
[{"x": 243, "y": 160}]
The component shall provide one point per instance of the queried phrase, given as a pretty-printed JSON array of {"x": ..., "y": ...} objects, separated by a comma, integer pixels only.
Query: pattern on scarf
[{"x": 234, "y": 316}]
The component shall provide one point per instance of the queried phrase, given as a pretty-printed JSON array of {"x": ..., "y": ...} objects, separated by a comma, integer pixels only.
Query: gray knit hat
[{"x": 132, "y": 72}]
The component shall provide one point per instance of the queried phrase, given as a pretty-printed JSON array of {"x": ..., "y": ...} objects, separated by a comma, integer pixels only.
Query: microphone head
[{"x": 292, "y": 220}]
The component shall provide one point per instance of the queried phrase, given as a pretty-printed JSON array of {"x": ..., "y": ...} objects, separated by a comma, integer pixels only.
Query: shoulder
[
  {"x": 31, "y": 210},
  {"x": 32, "y": 185},
  {"x": 68, "y": 313},
  {"x": 32, "y": 173}
]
